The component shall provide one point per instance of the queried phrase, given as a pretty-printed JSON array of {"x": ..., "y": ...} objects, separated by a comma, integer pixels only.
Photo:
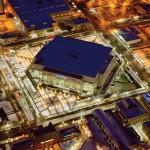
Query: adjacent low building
[
  {"x": 146, "y": 8},
  {"x": 107, "y": 131},
  {"x": 146, "y": 101},
  {"x": 22, "y": 144},
  {"x": 129, "y": 35},
  {"x": 143, "y": 9},
  {"x": 73, "y": 65},
  {"x": 146, "y": 128},
  {"x": 35, "y": 14},
  {"x": 131, "y": 111},
  {"x": 10, "y": 37},
  {"x": 43, "y": 137},
  {"x": 49, "y": 135},
  {"x": 43, "y": 134}
]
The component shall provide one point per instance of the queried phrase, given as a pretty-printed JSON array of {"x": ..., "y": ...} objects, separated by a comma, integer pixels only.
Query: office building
[
  {"x": 73, "y": 65},
  {"x": 131, "y": 111}
]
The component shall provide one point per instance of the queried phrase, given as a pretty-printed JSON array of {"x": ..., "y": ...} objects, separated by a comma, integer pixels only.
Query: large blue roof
[
  {"x": 97, "y": 132},
  {"x": 36, "y": 15},
  {"x": 115, "y": 130},
  {"x": 73, "y": 56},
  {"x": 131, "y": 108}
]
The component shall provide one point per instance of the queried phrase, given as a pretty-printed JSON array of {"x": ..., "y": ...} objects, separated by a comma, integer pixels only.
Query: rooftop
[
  {"x": 22, "y": 144},
  {"x": 129, "y": 34},
  {"x": 147, "y": 125},
  {"x": 98, "y": 134},
  {"x": 122, "y": 135},
  {"x": 36, "y": 16},
  {"x": 130, "y": 108},
  {"x": 8, "y": 35},
  {"x": 81, "y": 20},
  {"x": 45, "y": 133},
  {"x": 43, "y": 130},
  {"x": 146, "y": 7},
  {"x": 147, "y": 97},
  {"x": 73, "y": 56}
]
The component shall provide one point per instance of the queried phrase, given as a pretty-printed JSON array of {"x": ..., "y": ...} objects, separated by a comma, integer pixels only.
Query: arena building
[{"x": 73, "y": 65}]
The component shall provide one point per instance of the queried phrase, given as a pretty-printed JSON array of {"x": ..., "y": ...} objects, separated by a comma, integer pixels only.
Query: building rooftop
[
  {"x": 36, "y": 16},
  {"x": 45, "y": 133},
  {"x": 130, "y": 108},
  {"x": 128, "y": 135},
  {"x": 8, "y": 35},
  {"x": 43, "y": 130},
  {"x": 73, "y": 56},
  {"x": 123, "y": 136},
  {"x": 81, "y": 20},
  {"x": 98, "y": 134},
  {"x": 89, "y": 144},
  {"x": 134, "y": 30},
  {"x": 147, "y": 125},
  {"x": 22, "y": 144},
  {"x": 147, "y": 97},
  {"x": 146, "y": 7},
  {"x": 106, "y": 64},
  {"x": 129, "y": 34}
]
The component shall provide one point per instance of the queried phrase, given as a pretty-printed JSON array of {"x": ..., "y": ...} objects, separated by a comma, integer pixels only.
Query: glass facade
[{"x": 63, "y": 82}]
